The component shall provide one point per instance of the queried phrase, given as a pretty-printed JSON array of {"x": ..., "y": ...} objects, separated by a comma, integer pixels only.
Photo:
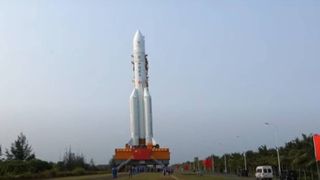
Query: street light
[
  {"x": 244, "y": 158},
  {"x": 225, "y": 161},
  {"x": 276, "y": 142},
  {"x": 212, "y": 163},
  {"x": 225, "y": 164}
]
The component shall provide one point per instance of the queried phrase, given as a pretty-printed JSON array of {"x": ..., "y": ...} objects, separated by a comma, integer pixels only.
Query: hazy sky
[{"x": 218, "y": 69}]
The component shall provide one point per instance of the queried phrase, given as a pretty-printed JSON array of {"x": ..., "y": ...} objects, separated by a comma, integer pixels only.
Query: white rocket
[{"x": 140, "y": 99}]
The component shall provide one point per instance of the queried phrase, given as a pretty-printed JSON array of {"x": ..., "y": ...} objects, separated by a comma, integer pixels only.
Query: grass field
[
  {"x": 153, "y": 176},
  {"x": 88, "y": 177}
]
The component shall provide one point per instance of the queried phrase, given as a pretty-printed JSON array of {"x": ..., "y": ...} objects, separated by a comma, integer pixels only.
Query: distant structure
[{"x": 141, "y": 148}]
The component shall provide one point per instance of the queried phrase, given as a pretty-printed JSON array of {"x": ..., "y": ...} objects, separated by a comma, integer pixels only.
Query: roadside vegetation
[
  {"x": 297, "y": 155},
  {"x": 19, "y": 162}
]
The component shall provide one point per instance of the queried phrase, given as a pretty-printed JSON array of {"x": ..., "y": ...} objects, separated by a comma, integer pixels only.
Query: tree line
[
  {"x": 19, "y": 161},
  {"x": 297, "y": 155}
]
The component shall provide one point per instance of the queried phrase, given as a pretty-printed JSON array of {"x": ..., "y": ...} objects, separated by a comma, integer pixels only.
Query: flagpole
[
  {"x": 225, "y": 164},
  {"x": 315, "y": 156},
  {"x": 212, "y": 163},
  {"x": 318, "y": 170},
  {"x": 245, "y": 160}
]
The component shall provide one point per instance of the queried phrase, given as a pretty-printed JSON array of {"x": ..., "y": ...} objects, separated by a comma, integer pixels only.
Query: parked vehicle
[{"x": 264, "y": 173}]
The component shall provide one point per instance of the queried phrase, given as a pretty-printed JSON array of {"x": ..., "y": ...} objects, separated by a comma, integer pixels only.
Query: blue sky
[{"x": 218, "y": 70}]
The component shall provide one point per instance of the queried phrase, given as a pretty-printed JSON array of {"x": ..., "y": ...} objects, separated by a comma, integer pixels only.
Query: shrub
[
  {"x": 78, "y": 171},
  {"x": 19, "y": 167},
  {"x": 50, "y": 173},
  {"x": 13, "y": 167},
  {"x": 37, "y": 165}
]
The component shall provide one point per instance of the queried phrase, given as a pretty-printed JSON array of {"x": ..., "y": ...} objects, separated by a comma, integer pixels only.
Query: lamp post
[
  {"x": 225, "y": 164},
  {"x": 212, "y": 163},
  {"x": 244, "y": 158},
  {"x": 245, "y": 161},
  {"x": 225, "y": 161},
  {"x": 276, "y": 144}
]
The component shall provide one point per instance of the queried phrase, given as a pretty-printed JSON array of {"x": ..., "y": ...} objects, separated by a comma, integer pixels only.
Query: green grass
[
  {"x": 142, "y": 176},
  {"x": 86, "y": 177}
]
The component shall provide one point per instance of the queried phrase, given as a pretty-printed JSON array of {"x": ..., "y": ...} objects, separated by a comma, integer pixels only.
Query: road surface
[{"x": 154, "y": 176}]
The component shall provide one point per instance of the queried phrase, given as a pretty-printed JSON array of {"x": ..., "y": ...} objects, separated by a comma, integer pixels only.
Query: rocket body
[{"x": 140, "y": 99}]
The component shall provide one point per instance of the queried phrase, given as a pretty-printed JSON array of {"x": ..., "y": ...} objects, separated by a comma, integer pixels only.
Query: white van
[{"x": 264, "y": 173}]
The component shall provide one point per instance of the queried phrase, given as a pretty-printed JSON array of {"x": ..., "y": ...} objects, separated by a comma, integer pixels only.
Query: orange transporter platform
[{"x": 142, "y": 156}]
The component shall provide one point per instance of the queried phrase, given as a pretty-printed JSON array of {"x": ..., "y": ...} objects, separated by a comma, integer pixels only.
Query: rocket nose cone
[
  {"x": 138, "y": 42},
  {"x": 138, "y": 36}
]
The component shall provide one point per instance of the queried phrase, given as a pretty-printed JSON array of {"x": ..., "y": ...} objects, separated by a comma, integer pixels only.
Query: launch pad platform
[{"x": 142, "y": 156}]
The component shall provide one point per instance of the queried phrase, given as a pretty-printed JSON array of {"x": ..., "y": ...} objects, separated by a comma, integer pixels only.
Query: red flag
[
  {"x": 204, "y": 162},
  {"x": 207, "y": 163},
  {"x": 186, "y": 167},
  {"x": 316, "y": 143}
]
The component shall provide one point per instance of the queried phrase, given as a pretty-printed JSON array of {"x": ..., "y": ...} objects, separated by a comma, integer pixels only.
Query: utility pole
[
  {"x": 276, "y": 145},
  {"x": 212, "y": 163},
  {"x": 225, "y": 164},
  {"x": 279, "y": 166},
  {"x": 245, "y": 161},
  {"x": 244, "y": 157}
]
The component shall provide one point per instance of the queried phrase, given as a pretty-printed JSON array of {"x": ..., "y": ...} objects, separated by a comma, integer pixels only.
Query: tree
[
  {"x": 92, "y": 165},
  {"x": 0, "y": 154},
  {"x": 72, "y": 161},
  {"x": 112, "y": 162},
  {"x": 20, "y": 150},
  {"x": 297, "y": 154}
]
